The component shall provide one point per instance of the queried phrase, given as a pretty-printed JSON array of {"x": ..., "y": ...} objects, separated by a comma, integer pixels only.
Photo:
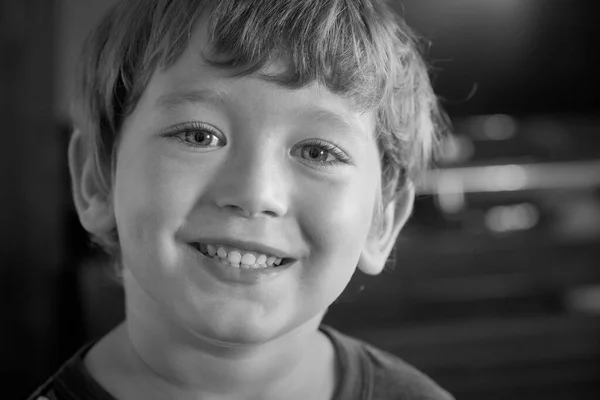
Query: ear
[
  {"x": 94, "y": 209},
  {"x": 382, "y": 238}
]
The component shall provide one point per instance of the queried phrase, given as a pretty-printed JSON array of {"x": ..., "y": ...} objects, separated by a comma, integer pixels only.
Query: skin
[{"x": 188, "y": 335}]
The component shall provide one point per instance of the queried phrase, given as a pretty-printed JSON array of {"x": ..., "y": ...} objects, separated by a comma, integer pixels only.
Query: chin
[
  {"x": 241, "y": 333},
  {"x": 232, "y": 326},
  {"x": 242, "y": 330}
]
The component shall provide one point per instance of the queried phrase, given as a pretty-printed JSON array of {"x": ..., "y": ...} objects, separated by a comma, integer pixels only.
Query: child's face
[{"x": 258, "y": 178}]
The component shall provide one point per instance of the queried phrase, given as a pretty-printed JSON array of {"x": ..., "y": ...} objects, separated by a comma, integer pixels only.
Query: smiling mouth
[{"x": 240, "y": 258}]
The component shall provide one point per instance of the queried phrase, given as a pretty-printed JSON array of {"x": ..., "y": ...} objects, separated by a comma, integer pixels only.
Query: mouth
[{"x": 241, "y": 258}]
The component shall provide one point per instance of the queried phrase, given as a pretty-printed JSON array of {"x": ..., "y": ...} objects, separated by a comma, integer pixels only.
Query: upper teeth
[{"x": 239, "y": 257}]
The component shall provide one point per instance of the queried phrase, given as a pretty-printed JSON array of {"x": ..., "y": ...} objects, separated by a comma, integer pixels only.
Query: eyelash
[
  {"x": 342, "y": 158},
  {"x": 180, "y": 131},
  {"x": 192, "y": 127}
]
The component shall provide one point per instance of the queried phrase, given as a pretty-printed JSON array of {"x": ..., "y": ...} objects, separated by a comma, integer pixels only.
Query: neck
[{"x": 182, "y": 363}]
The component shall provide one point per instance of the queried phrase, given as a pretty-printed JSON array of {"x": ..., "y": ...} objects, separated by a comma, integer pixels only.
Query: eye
[
  {"x": 317, "y": 153},
  {"x": 197, "y": 135},
  {"x": 201, "y": 138},
  {"x": 322, "y": 153}
]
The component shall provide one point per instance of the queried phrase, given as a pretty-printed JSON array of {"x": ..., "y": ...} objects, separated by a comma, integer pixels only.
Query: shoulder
[
  {"x": 396, "y": 379},
  {"x": 46, "y": 392},
  {"x": 386, "y": 376},
  {"x": 71, "y": 382}
]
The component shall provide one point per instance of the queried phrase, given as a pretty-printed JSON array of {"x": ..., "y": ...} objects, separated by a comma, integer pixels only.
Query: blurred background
[{"x": 495, "y": 288}]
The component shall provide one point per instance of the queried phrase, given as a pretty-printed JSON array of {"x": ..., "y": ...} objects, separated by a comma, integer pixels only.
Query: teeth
[
  {"x": 211, "y": 250},
  {"x": 234, "y": 257},
  {"x": 225, "y": 262},
  {"x": 248, "y": 258},
  {"x": 237, "y": 258},
  {"x": 262, "y": 259}
]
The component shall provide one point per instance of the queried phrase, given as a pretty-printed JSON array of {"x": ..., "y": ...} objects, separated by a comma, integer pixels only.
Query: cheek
[
  {"x": 337, "y": 223},
  {"x": 339, "y": 227},
  {"x": 151, "y": 199}
]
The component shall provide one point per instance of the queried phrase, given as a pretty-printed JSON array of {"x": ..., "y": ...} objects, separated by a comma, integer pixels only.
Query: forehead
[{"x": 192, "y": 80}]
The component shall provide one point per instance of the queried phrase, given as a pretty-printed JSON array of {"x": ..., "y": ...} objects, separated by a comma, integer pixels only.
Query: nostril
[{"x": 254, "y": 210}]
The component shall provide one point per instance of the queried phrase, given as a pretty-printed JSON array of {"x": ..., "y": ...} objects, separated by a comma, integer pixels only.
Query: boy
[{"x": 240, "y": 159}]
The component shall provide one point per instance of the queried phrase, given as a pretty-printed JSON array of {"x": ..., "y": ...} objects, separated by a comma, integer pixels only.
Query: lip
[
  {"x": 248, "y": 245},
  {"x": 232, "y": 275}
]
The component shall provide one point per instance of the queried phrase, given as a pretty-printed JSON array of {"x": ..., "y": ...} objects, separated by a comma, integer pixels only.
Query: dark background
[{"x": 495, "y": 288}]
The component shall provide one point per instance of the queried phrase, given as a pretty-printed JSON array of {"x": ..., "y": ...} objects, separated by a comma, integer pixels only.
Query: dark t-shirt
[{"x": 366, "y": 373}]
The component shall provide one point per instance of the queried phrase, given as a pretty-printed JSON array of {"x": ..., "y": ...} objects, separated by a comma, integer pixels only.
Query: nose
[{"x": 252, "y": 183}]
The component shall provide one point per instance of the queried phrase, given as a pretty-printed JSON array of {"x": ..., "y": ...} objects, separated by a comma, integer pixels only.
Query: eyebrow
[
  {"x": 215, "y": 99},
  {"x": 337, "y": 121},
  {"x": 173, "y": 100}
]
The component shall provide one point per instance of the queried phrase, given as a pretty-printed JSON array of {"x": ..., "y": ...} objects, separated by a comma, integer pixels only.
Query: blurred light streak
[
  {"x": 564, "y": 175},
  {"x": 451, "y": 197},
  {"x": 457, "y": 149},
  {"x": 516, "y": 217},
  {"x": 499, "y": 127},
  {"x": 506, "y": 178}
]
